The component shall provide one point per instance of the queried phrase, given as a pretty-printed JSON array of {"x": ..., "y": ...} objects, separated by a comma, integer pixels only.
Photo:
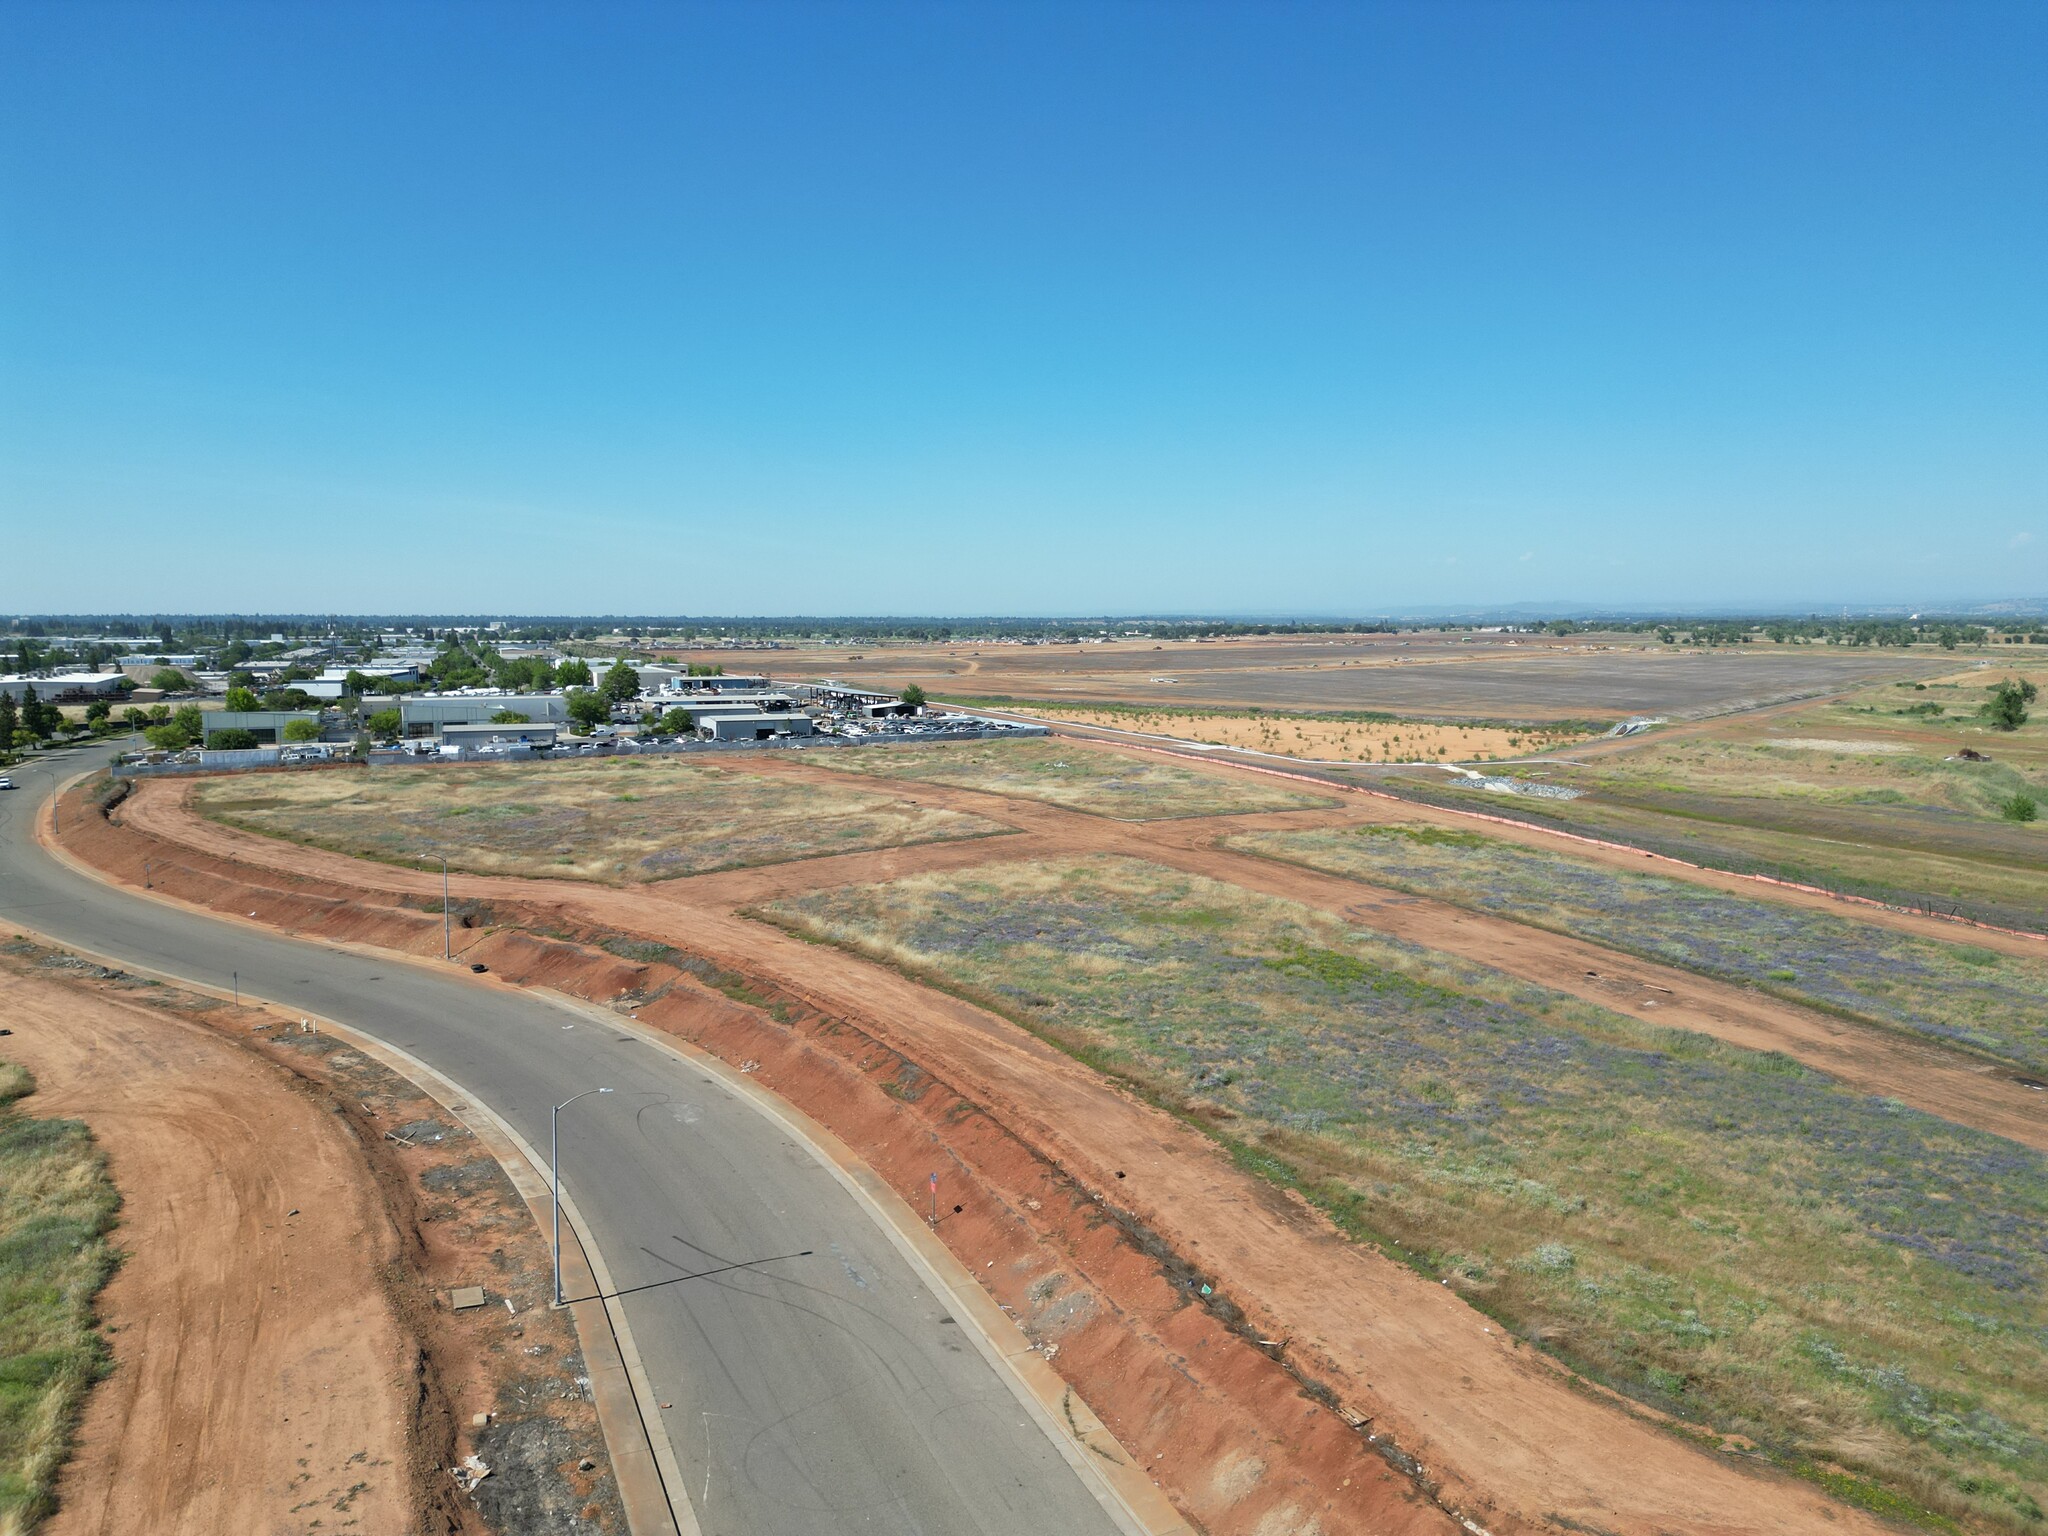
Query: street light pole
[
  {"x": 447, "y": 949},
  {"x": 555, "y": 1175}
]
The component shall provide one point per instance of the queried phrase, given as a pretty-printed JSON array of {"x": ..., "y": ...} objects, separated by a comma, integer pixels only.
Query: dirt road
[{"x": 261, "y": 1379}]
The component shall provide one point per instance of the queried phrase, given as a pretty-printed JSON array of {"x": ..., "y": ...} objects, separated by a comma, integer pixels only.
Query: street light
[
  {"x": 446, "y": 950},
  {"x": 555, "y": 1175}
]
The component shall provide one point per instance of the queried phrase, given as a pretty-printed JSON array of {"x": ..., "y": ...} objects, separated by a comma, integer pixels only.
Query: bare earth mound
[{"x": 261, "y": 1381}]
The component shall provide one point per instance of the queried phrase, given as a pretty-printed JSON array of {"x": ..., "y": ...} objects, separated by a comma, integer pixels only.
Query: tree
[
  {"x": 510, "y": 717},
  {"x": 135, "y": 717},
  {"x": 573, "y": 673},
  {"x": 588, "y": 708},
  {"x": 232, "y": 739},
  {"x": 10, "y": 723},
  {"x": 243, "y": 701},
  {"x": 2007, "y": 707},
  {"x": 302, "y": 730},
  {"x": 677, "y": 722},
  {"x": 287, "y": 698},
  {"x": 167, "y": 738},
  {"x": 40, "y": 720},
  {"x": 386, "y": 722},
  {"x": 621, "y": 683},
  {"x": 355, "y": 684},
  {"x": 170, "y": 680},
  {"x": 914, "y": 696},
  {"x": 98, "y": 713}
]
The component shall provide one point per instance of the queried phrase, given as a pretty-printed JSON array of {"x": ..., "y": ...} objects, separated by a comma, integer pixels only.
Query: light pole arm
[{"x": 555, "y": 1176}]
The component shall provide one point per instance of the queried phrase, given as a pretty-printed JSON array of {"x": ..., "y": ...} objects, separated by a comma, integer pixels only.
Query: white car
[{"x": 5, "y": 782}]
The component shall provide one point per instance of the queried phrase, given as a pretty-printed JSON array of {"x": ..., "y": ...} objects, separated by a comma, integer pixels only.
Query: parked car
[{"x": 5, "y": 782}]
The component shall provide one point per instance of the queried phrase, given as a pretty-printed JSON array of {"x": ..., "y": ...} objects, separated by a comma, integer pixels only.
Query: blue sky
[{"x": 1038, "y": 308}]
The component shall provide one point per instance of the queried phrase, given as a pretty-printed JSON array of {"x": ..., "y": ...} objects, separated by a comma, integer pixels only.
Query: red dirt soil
[
  {"x": 261, "y": 1379},
  {"x": 1496, "y": 1431}
]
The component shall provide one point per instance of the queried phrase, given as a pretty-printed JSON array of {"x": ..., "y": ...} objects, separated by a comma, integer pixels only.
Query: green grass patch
[
  {"x": 1725, "y": 1234},
  {"x": 1960, "y": 995},
  {"x": 57, "y": 1205}
]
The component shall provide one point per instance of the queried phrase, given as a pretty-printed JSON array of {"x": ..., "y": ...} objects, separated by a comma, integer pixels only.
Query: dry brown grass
[
  {"x": 615, "y": 822},
  {"x": 1312, "y": 736}
]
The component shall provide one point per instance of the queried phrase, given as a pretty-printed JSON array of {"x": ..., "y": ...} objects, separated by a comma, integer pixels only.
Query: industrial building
[
  {"x": 485, "y": 735},
  {"x": 425, "y": 714},
  {"x": 266, "y": 725},
  {"x": 769, "y": 701},
  {"x": 751, "y": 724},
  {"x": 333, "y": 681},
  {"x": 721, "y": 685},
  {"x": 65, "y": 687}
]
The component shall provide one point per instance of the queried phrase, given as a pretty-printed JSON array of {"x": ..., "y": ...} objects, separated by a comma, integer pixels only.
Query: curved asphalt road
[{"x": 811, "y": 1396}]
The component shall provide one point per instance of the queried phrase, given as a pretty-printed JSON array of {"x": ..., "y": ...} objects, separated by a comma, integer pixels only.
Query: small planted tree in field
[{"x": 2007, "y": 707}]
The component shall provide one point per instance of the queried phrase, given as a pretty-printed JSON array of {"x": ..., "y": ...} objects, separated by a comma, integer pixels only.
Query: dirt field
[
  {"x": 1305, "y": 736},
  {"x": 262, "y": 1381},
  {"x": 1091, "y": 1132},
  {"x": 615, "y": 821},
  {"x": 1100, "y": 782},
  {"x": 1431, "y": 675}
]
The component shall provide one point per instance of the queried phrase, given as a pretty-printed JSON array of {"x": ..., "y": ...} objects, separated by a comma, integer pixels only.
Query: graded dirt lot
[
  {"x": 1503, "y": 1436},
  {"x": 261, "y": 1379},
  {"x": 1425, "y": 675}
]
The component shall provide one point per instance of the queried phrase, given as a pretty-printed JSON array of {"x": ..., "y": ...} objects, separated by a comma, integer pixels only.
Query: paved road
[{"x": 811, "y": 1396}]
